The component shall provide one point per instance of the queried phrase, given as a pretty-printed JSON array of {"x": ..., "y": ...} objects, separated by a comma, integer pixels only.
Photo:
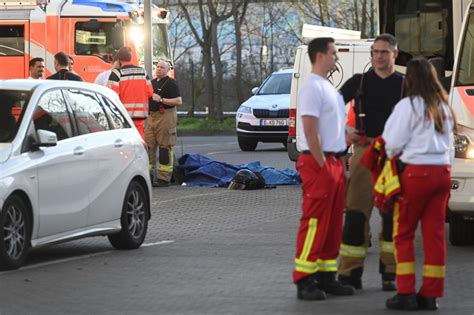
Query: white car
[
  {"x": 72, "y": 164},
  {"x": 264, "y": 116}
]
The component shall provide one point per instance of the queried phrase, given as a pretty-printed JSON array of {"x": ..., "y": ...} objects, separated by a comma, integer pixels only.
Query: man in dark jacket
[{"x": 61, "y": 64}]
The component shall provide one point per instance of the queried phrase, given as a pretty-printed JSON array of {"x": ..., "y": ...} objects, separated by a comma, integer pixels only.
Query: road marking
[
  {"x": 205, "y": 145},
  {"x": 189, "y": 197},
  {"x": 218, "y": 152},
  {"x": 60, "y": 261},
  {"x": 156, "y": 243}
]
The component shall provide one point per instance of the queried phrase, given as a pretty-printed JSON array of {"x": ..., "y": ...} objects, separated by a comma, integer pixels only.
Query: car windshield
[
  {"x": 12, "y": 105},
  {"x": 276, "y": 84}
]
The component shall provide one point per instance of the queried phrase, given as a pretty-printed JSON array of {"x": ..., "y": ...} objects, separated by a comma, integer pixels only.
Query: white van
[{"x": 354, "y": 57}]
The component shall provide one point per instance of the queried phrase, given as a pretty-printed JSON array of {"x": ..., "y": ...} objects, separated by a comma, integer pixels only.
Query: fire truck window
[
  {"x": 12, "y": 40},
  {"x": 95, "y": 38},
  {"x": 89, "y": 114}
]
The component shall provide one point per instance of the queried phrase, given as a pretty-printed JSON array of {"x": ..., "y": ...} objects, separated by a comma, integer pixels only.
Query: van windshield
[
  {"x": 276, "y": 84},
  {"x": 466, "y": 64},
  {"x": 12, "y": 105}
]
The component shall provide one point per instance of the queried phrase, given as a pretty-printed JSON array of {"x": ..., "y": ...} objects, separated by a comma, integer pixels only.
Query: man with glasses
[{"x": 375, "y": 93}]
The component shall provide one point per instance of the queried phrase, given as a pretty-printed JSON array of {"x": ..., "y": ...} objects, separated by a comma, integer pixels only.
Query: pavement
[{"x": 208, "y": 251}]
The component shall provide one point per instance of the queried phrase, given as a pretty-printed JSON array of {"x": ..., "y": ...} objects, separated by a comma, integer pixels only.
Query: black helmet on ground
[{"x": 247, "y": 180}]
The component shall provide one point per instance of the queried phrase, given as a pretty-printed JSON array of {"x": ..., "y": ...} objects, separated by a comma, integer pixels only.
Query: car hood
[
  {"x": 271, "y": 102},
  {"x": 5, "y": 151}
]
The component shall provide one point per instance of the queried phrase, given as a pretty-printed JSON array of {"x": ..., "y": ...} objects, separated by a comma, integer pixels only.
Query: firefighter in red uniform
[
  {"x": 321, "y": 169},
  {"x": 420, "y": 130},
  {"x": 131, "y": 83}
]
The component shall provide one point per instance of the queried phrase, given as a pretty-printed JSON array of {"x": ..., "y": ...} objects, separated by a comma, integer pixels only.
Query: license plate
[{"x": 273, "y": 122}]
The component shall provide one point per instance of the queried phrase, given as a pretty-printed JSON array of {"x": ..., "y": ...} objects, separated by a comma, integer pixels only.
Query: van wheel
[
  {"x": 461, "y": 231},
  {"x": 134, "y": 219},
  {"x": 247, "y": 144},
  {"x": 15, "y": 233}
]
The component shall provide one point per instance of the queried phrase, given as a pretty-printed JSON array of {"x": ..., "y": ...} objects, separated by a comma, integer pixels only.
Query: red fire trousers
[
  {"x": 140, "y": 124},
  {"x": 320, "y": 230},
  {"x": 424, "y": 198}
]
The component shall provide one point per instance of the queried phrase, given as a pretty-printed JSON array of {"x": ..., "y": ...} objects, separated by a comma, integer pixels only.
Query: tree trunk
[
  {"x": 363, "y": 24},
  {"x": 372, "y": 19},
  {"x": 209, "y": 84},
  {"x": 321, "y": 12},
  {"x": 238, "y": 49},
  {"x": 219, "y": 71},
  {"x": 356, "y": 15}
]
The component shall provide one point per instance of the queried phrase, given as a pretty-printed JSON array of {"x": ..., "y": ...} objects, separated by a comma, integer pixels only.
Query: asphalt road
[{"x": 208, "y": 251}]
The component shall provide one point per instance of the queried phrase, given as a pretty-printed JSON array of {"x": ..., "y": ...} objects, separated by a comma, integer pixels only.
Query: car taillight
[{"x": 292, "y": 123}]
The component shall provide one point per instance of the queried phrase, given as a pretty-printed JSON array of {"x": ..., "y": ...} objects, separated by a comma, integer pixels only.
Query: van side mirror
[
  {"x": 254, "y": 90},
  {"x": 46, "y": 138},
  {"x": 117, "y": 36}
]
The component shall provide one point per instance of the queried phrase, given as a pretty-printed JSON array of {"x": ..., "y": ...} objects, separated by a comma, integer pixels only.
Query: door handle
[
  {"x": 79, "y": 151},
  {"x": 118, "y": 143}
]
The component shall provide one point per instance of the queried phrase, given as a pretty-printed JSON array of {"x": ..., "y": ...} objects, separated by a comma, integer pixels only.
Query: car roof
[{"x": 28, "y": 85}]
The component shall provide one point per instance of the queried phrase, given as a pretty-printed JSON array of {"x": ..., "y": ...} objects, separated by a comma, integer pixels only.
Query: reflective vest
[{"x": 133, "y": 87}]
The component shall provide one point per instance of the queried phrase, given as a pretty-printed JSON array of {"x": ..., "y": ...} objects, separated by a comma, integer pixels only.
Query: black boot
[
  {"x": 329, "y": 284},
  {"x": 354, "y": 279},
  {"x": 425, "y": 303},
  {"x": 308, "y": 289},
  {"x": 388, "y": 282},
  {"x": 405, "y": 302}
]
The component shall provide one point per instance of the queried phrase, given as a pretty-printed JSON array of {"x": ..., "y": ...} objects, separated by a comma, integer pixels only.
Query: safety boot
[
  {"x": 425, "y": 303},
  {"x": 329, "y": 284},
  {"x": 405, "y": 302},
  {"x": 388, "y": 282},
  {"x": 307, "y": 289},
  {"x": 354, "y": 279}
]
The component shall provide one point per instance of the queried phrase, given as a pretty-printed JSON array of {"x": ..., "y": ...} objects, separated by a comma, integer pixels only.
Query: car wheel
[
  {"x": 461, "y": 231},
  {"x": 247, "y": 144},
  {"x": 15, "y": 232},
  {"x": 134, "y": 219}
]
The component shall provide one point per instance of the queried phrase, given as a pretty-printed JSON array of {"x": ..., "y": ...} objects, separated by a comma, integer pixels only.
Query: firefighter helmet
[{"x": 247, "y": 180}]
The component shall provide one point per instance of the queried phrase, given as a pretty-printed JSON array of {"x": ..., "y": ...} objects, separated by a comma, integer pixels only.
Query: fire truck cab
[{"x": 90, "y": 31}]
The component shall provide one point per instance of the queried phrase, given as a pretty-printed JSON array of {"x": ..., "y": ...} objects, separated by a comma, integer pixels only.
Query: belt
[{"x": 326, "y": 153}]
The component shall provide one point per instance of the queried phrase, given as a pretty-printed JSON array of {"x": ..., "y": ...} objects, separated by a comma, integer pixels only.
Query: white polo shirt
[
  {"x": 318, "y": 98},
  {"x": 412, "y": 133}
]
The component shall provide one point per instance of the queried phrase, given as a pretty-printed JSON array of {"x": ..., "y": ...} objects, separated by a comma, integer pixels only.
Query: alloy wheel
[
  {"x": 14, "y": 235},
  {"x": 136, "y": 214}
]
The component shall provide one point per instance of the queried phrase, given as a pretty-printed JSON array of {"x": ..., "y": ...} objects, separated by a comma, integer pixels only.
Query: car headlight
[
  {"x": 245, "y": 109},
  {"x": 463, "y": 147}
]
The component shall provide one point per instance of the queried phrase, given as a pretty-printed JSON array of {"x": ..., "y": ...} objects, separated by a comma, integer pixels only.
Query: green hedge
[{"x": 205, "y": 125}]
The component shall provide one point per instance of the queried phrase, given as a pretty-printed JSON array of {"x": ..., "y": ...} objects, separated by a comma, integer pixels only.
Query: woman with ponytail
[{"x": 420, "y": 132}]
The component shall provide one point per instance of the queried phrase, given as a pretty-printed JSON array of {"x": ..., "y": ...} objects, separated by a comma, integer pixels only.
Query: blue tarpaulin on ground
[{"x": 200, "y": 170}]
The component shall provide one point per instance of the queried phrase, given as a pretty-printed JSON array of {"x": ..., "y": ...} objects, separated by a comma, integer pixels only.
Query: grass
[{"x": 205, "y": 126}]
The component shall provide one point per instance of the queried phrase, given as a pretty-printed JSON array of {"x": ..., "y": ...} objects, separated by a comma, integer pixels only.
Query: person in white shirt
[
  {"x": 420, "y": 132},
  {"x": 103, "y": 77},
  {"x": 36, "y": 67},
  {"x": 321, "y": 168}
]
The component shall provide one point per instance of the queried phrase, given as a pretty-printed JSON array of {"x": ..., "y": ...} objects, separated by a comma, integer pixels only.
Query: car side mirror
[
  {"x": 45, "y": 139},
  {"x": 254, "y": 90}
]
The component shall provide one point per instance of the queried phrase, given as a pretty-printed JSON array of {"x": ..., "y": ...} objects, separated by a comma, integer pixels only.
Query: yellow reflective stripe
[
  {"x": 434, "y": 271},
  {"x": 165, "y": 168},
  {"x": 405, "y": 268},
  {"x": 327, "y": 265},
  {"x": 386, "y": 247},
  {"x": 306, "y": 266},
  {"x": 308, "y": 242},
  {"x": 315, "y": 266},
  {"x": 353, "y": 251},
  {"x": 396, "y": 215}
]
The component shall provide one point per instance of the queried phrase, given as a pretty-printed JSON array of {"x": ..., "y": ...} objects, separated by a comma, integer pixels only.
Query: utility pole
[{"x": 148, "y": 39}]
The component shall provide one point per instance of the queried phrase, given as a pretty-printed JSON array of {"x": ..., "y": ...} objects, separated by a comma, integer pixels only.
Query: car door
[
  {"x": 109, "y": 155},
  {"x": 63, "y": 170}
]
